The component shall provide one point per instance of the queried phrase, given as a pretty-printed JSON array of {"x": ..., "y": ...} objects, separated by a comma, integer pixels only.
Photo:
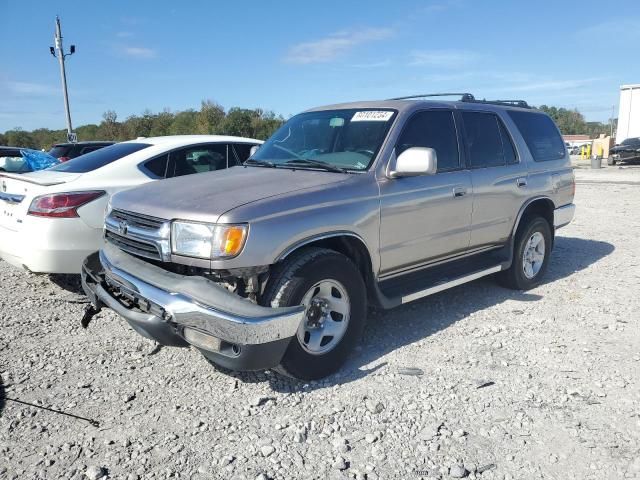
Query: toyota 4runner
[{"x": 273, "y": 264}]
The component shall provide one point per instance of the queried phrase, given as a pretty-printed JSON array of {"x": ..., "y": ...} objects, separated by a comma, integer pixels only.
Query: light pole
[{"x": 61, "y": 56}]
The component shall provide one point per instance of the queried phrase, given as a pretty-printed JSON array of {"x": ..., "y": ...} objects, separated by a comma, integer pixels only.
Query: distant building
[
  {"x": 628, "y": 112},
  {"x": 576, "y": 140}
]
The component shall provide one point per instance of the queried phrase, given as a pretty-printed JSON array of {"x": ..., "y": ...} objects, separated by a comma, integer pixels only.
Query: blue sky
[{"x": 287, "y": 56}]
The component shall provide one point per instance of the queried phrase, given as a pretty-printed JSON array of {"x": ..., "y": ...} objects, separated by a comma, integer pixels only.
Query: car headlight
[{"x": 206, "y": 240}]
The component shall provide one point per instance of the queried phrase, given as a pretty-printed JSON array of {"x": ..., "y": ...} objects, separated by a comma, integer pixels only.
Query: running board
[
  {"x": 399, "y": 290},
  {"x": 450, "y": 284}
]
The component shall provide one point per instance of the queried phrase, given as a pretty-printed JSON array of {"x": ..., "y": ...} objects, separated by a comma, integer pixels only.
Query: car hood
[{"x": 205, "y": 197}]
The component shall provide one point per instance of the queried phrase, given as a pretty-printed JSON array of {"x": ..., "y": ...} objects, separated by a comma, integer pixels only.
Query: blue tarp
[{"x": 37, "y": 160}]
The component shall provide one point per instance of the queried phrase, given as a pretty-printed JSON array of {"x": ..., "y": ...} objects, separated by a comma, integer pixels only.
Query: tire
[
  {"x": 517, "y": 277},
  {"x": 611, "y": 161},
  {"x": 322, "y": 277}
]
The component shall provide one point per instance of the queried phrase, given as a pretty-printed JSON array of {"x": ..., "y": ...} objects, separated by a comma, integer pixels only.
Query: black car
[
  {"x": 629, "y": 149},
  {"x": 67, "y": 151},
  {"x": 11, "y": 160}
]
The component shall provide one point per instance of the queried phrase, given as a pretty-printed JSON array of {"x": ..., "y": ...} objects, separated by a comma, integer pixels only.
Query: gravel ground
[{"x": 476, "y": 382}]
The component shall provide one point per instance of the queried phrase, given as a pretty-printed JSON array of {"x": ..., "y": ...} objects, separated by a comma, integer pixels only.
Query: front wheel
[
  {"x": 530, "y": 255},
  {"x": 611, "y": 161},
  {"x": 332, "y": 290}
]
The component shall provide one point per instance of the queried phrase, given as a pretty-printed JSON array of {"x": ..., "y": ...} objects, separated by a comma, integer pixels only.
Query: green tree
[
  {"x": 184, "y": 123},
  {"x": 210, "y": 118}
]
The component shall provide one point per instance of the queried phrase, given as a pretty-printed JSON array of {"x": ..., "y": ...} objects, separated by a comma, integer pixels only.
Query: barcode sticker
[{"x": 371, "y": 116}]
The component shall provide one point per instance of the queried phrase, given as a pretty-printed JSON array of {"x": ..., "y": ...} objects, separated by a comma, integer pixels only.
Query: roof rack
[
  {"x": 469, "y": 98},
  {"x": 508, "y": 103},
  {"x": 410, "y": 97}
]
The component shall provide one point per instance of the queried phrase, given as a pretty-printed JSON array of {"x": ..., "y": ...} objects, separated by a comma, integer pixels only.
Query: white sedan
[{"x": 51, "y": 220}]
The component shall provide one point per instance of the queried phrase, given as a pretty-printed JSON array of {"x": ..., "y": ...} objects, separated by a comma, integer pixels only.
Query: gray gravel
[{"x": 477, "y": 382}]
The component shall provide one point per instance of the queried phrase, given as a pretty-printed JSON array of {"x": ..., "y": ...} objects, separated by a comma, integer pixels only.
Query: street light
[{"x": 61, "y": 56}]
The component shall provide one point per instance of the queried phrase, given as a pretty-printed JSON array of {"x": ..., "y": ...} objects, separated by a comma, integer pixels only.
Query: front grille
[
  {"x": 136, "y": 247},
  {"x": 137, "y": 220},
  {"x": 137, "y": 234}
]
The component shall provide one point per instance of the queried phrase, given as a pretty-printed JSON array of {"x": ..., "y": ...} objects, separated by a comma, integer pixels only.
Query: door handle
[
  {"x": 459, "y": 191},
  {"x": 521, "y": 182}
]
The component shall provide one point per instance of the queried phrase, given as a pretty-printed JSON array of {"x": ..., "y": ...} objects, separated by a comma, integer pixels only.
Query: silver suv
[{"x": 273, "y": 264}]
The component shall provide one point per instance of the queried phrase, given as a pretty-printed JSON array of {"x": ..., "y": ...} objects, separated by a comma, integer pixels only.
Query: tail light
[
  {"x": 64, "y": 159},
  {"x": 62, "y": 205}
]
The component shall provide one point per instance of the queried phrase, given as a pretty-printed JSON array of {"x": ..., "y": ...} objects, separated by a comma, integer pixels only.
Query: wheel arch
[
  {"x": 347, "y": 243},
  {"x": 542, "y": 206}
]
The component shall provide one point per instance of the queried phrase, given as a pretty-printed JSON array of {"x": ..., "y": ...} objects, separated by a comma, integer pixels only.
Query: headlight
[{"x": 206, "y": 240}]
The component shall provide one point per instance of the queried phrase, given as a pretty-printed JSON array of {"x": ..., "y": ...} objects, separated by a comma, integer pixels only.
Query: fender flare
[{"x": 321, "y": 236}]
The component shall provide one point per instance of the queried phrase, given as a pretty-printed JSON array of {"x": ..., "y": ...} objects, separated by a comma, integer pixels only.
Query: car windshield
[
  {"x": 631, "y": 141},
  {"x": 346, "y": 139},
  {"x": 99, "y": 158}
]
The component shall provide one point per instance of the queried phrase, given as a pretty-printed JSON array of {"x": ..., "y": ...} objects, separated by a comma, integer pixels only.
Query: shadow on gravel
[
  {"x": 70, "y": 283},
  {"x": 393, "y": 329},
  {"x": 2, "y": 397}
]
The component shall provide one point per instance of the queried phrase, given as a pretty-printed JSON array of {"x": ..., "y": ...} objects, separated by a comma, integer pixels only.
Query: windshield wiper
[
  {"x": 262, "y": 163},
  {"x": 316, "y": 163}
]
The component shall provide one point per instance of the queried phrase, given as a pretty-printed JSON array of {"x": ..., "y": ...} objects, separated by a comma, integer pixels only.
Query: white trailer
[{"x": 628, "y": 112}]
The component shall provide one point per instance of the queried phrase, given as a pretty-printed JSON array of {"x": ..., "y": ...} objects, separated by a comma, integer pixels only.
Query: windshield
[
  {"x": 99, "y": 158},
  {"x": 630, "y": 141},
  {"x": 343, "y": 139}
]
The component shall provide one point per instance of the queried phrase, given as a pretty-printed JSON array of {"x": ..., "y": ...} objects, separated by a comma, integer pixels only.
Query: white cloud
[
  {"x": 334, "y": 46},
  {"x": 30, "y": 88},
  {"x": 443, "y": 58},
  {"x": 139, "y": 52},
  {"x": 551, "y": 85}
]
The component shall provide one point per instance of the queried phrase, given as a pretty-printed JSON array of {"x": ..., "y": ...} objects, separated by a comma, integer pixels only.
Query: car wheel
[
  {"x": 530, "y": 255},
  {"x": 331, "y": 288},
  {"x": 611, "y": 161}
]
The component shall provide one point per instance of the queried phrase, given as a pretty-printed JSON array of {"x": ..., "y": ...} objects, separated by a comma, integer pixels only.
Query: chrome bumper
[
  {"x": 177, "y": 302},
  {"x": 562, "y": 216}
]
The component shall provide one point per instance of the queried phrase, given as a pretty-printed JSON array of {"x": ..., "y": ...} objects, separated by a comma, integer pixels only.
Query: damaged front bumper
[{"x": 179, "y": 310}]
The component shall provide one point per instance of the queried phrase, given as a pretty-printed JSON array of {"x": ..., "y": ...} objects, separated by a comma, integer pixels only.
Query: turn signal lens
[
  {"x": 62, "y": 205},
  {"x": 233, "y": 240}
]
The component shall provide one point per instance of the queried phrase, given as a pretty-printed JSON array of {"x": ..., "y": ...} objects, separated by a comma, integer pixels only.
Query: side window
[
  {"x": 202, "y": 158},
  {"x": 507, "y": 145},
  {"x": 435, "y": 129},
  {"x": 242, "y": 151},
  {"x": 157, "y": 167},
  {"x": 540, "y": 134},
  {"x": 483, "y": 138}
]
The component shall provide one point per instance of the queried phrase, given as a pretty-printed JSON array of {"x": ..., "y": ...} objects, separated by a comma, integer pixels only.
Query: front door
[{"x": 429, "y": 216}]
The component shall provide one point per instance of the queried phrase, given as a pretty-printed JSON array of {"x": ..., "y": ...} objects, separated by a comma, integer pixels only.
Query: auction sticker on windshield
[{"x": 372, "y": 116}]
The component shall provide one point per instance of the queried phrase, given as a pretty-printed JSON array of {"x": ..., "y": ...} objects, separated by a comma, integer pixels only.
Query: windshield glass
[
  {"x": 630, "y": 141},
  {"x": 346, "y": 139},
  {"x": 99, "y": 158}
]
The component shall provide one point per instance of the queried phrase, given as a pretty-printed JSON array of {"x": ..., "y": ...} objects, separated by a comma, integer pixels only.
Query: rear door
[
  {"x": 498, "y": 176},
  {"x": 429, "y": 216}
]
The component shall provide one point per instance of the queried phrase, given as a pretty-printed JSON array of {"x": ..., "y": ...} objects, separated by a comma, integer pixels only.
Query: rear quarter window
[{"x": 540, "y": 134}]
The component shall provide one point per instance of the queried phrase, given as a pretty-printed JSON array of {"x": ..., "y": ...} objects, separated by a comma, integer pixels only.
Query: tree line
[{"x": 212, "y": 118}]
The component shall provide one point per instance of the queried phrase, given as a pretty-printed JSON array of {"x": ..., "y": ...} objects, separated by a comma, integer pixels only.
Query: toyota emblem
[{"x": 123, "y": 227}]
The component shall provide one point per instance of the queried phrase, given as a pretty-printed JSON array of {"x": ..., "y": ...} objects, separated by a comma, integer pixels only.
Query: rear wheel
[
  {"x": 530, "y": 255},
  {"x": 331, "y": 288}
]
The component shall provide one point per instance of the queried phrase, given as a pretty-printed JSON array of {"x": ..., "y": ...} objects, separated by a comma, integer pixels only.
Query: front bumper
[
  {"x": 179, "y": 310},
  {"x": 563, "y": 215}
]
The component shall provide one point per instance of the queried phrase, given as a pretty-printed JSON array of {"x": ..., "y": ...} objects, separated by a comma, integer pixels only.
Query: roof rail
[
  {"x": 469, "y": 98},
  {"x": 507, "y": 103},
  {"x": 461, "y": 95}
]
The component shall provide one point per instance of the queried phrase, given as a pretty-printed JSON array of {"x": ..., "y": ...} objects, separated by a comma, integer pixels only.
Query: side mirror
[
  {"x": 253, "y": 150},
  {"x": 415, "y": 161}
]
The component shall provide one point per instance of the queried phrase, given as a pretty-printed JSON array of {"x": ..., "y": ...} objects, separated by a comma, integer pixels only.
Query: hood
[{"x": 205, "y": 196}]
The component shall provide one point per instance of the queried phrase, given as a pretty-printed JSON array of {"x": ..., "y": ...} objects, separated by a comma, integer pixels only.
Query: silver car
[{"x": 273, "y": 264}]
